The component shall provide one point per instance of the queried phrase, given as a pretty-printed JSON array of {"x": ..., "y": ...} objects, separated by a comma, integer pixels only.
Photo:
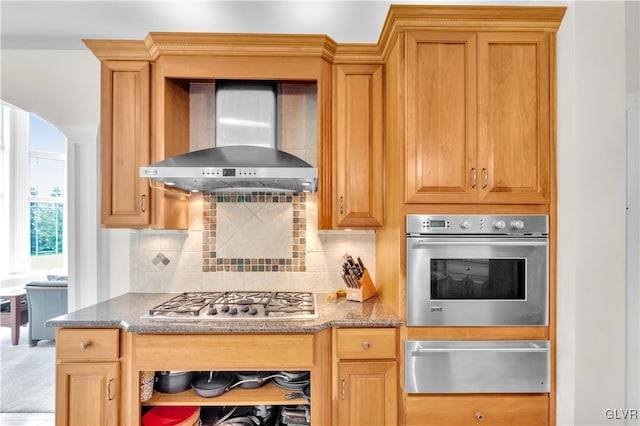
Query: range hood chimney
[{"x": 246, "y": 157}]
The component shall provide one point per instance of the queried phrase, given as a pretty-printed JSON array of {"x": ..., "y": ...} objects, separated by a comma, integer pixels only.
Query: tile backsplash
[
  {"x": 182, "y": 253},
  {"x": 252, "y": 232}
]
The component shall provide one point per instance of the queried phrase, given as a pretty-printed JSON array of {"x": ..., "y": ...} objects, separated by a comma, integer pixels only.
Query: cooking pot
[{"x": 173, "y": 381}]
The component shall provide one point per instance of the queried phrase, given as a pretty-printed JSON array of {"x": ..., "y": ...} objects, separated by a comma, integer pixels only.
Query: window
[
  {"x": 47, "y": 194},
  {"x": 33, "y": 194}
]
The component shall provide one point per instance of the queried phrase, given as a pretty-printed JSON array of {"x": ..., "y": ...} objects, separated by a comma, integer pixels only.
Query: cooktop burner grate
[{"x": 237, "y": 304}]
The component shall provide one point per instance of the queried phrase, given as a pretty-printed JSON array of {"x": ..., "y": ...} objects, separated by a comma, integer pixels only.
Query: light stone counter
[{"x": 126, "y": 312}]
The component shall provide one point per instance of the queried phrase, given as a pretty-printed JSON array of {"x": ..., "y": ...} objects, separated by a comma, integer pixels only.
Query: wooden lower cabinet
[
  {"x": 87, "y": 394},
  {"x": 367, "y": 393},
  {"x": 449, "y": 410},
  {"x": 367, "y": 377},
  {"x": 87, "y": 377}
]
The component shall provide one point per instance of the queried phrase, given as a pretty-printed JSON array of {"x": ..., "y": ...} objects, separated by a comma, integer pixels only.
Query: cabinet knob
[
  {"x": 479, "y": 416},
  {"x": 85, "y": 344},
  {"x": 366, "y": 345}
]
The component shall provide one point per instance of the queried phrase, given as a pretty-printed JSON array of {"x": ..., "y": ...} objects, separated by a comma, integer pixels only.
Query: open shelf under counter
[{"x": 269, "y": 394}]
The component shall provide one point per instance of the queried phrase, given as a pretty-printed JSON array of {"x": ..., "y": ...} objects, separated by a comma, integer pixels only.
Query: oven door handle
[
  {"x": 532, "y": 242},
  {"x": 425, "y": 351}
]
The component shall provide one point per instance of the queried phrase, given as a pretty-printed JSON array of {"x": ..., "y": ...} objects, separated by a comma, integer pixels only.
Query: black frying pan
[
  {"x": 209, "y": 384},
  {"x": 212, "y": 383}
]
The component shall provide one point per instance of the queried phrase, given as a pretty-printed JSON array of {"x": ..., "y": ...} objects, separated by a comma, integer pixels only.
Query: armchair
[{"x": 45, "y": 299}]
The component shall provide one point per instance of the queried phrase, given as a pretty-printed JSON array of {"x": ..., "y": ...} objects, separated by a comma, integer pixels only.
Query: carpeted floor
[{"x": 27, "y": 374}]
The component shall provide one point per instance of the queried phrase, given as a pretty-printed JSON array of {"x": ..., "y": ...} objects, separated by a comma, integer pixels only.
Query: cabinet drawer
[
  {"x": 366, "y": 343},
  {"x": 496, "y": 409},
  {"x": 79, "y": 344}
]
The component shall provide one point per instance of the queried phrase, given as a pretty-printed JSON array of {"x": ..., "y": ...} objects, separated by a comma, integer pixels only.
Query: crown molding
[
  {"x": 118, "y": 49},
  {"x": 399, "y": 18},
  {"x": 230, "y": 44}
]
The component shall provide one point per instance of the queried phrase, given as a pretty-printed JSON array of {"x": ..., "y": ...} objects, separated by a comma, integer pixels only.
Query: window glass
[
  {"x": 46, "y": 228},
  {"x": 47, "y": 194},
  {"x": 46, "y": 177}
]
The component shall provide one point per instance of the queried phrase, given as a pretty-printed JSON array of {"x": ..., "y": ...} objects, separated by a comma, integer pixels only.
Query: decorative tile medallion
[{"x": 269, "y": 218}]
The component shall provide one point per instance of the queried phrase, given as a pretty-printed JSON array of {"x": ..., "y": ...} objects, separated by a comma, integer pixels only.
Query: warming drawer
[{"x": 475, "y": 366}]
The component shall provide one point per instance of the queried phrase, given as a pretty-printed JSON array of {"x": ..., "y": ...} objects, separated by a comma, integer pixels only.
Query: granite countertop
[{"x": 126, "y": 312}]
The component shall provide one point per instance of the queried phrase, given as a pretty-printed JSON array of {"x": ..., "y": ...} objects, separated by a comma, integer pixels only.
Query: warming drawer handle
[
  {"x": 467, "y": 242},
  {"x": 423, "y": 351}
]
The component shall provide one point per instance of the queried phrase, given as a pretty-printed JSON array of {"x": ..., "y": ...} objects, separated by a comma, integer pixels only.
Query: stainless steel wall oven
[{"x": 474, "y": 270}]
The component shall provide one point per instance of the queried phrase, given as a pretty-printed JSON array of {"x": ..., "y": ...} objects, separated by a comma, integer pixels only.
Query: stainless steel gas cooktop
[{"x": 261, "y": 305}]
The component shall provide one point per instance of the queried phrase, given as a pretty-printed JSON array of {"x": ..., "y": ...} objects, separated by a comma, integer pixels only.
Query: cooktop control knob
[
  {"x": 499, "y": 224},
  {"x": 465, "y": 224},
  {"x": 517, "y": 224}
]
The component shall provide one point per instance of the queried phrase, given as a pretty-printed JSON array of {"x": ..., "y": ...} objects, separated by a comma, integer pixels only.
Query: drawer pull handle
[
  {"x": 479, "y": 416},
  {"x": 485, "y": 178},
  {"x": 341, "y": 205},
  {"x": 143, "y": 209},
  {"x": 109, "y": 396},
  {"x": 344, "y": 390},
  {"x": 85, "y": 344},
  {"x": 474, "y": 177},
  {"x": 366, "y": 345}
]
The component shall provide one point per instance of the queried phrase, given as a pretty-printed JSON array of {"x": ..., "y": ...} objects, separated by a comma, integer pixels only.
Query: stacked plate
[{"x": 296, "y": 380}]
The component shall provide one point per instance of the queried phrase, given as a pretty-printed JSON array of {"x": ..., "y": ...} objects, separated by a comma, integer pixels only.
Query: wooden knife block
[{"x": 366, "y": 291}]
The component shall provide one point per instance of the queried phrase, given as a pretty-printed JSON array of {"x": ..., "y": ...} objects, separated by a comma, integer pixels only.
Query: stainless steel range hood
[
  {"x": 246, "y": 158},
  {"x": 240, "y": 168}
]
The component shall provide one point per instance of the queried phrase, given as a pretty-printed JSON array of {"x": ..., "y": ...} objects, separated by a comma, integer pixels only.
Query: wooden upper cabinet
[
  {"x": 441, "y": 116},
  {"x": 478, "y": 117},
  {"x": 513, "y": 116},
  {"x": 124, "y": 143},
  {"x": 357, "y": 145}
]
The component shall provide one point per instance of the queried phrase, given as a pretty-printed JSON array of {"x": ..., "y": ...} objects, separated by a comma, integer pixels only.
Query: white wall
[
  {"x": 591, "y": 182},
  {"x": 632, "y": 26},
  {"x": 592, "y": 218}
]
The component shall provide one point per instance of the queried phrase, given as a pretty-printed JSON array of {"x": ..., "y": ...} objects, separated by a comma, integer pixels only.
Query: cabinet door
[
  {"x": 513, "y": 117},
  {"x": 124, "y": 143},
  {"x": 358, "y": 146},
  {"x": 367, "y": 393},
  {"x": 441, "y": 117},
  {"x": 87, "y": 394}
]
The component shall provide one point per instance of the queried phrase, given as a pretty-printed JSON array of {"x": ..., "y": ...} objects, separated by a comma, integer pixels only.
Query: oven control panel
[{"x": 478, "y": 224}]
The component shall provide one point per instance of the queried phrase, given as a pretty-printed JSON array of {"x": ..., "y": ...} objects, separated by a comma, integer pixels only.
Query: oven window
[{"x": 478, "y": 279}]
